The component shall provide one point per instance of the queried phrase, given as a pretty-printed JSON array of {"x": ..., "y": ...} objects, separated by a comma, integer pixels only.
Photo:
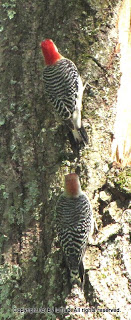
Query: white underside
[{"x": 77, "y": 113}]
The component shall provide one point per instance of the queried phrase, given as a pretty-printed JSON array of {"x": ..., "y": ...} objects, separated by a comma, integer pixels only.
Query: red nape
[
  {"x": 50, "y": 52},
  {"x": 72, "y": 184}
]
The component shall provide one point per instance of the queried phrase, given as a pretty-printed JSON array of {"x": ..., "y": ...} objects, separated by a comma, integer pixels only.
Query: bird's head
[
  {"x": 72, "y": 185},
  {"x": 50, "y": 52}
]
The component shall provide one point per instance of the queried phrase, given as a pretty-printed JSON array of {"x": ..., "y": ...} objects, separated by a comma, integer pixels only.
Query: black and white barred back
[
  {"x": 61, "y": 85},
  {"x": 74, "y": 219}
]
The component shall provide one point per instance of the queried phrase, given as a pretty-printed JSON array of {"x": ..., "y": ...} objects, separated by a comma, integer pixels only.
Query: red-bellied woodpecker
[
  {"x": 64, "y": 89},
  {"x": 74, "y": 222}
]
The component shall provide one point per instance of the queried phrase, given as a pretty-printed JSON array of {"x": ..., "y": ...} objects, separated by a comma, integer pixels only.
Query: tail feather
[
  {"x": 77, "y": 275},
  {"x": 83, "y": 134},
  {"x": 77, "y": 136},
  {"x": 82, "y": 274},
  {"x": 75, "y": 278},
  {"x": 80, "y": 136}
]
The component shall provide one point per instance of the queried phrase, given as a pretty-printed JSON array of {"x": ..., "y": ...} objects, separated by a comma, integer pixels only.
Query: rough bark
[{"x": 35, "y": 155}]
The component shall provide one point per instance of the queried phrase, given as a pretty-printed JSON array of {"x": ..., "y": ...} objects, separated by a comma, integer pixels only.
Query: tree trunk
[
  {"x": 121, "y": 148},
  {"x": 36, "y": 154}
]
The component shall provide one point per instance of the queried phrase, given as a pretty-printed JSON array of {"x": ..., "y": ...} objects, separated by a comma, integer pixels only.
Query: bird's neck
[
  {"x": 52, "y": 58},
  {"x": 73, "y": 190}
]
